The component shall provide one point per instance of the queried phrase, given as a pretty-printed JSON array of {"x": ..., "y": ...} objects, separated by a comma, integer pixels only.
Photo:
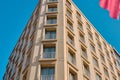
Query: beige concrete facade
[{"x": 59, "y": 43}]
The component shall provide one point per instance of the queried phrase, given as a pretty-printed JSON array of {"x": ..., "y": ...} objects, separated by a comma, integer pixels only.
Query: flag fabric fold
[{"x": 113, "y": 6}]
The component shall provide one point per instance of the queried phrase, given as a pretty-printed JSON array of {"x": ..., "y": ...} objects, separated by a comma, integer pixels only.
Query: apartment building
[{"x": 60, "y": 43}]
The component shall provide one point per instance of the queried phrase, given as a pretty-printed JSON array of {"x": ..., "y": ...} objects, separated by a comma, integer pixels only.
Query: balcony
[
  {"x": 47, "y": 77},
  {"x": 48, "y": 55}
]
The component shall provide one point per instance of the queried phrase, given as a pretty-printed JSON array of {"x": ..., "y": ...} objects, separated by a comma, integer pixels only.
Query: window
[
  {"x": 102, "y": 58},
  {"x": 84, "y": 52},
  {"x": 90, "y": 36},
  {"x": 119, "y": 76},
  {"x": 72, "y": 76},
  {"x": 97, "y": 36},
  {"x": 111, "y": 67},
  {"x": 49, "y": 52},
  {"x": 95, "y": 61},
  {"x": 69, "y": 13},
  {"x": 72, "y": 57},
  {"x": 80, "y": 26},
  {"x": 88, "y": 26},
  {"x": 68, "y": 4},
  {"x": 86, "y": 69},
  {"x": 82, "y": 38},
  {"x": 70, "y": 40},
  {"x": 104, "y": 44},
  {"x": 52, "y": 0},
  {"x": 106, "y": 72},
  {"x": 50, "y": 34},
  {"x": 47, "y": 73},
  {"x": 84, "y": 78},
  {"x": 107, "y": 54},
  {"x": 25, "y": 76},
  {"x": 99, "y": 46},
  {"x": 92, "y": 47},
  {"x": 52, "y": 8},
  {"x": 98, "y": 77},
  {"x": 27, "y": 61},
  {"x": 69, "y": 25},
  {"x": 114, "y": 78},
  {"x": 51, "y": 19},
  {"x": 78, "y": 15}
]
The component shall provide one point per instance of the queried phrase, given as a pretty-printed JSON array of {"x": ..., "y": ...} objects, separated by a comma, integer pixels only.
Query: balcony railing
[
  {"x": 47, "y": 77},
  {"x": 48, "y": 55}
]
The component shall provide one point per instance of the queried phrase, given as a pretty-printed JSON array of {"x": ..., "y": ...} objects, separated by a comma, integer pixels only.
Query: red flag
[{"x": 113, "y": 6}]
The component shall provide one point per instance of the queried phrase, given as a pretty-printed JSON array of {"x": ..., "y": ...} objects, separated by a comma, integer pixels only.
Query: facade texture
[{"x": 59, "y": 43}]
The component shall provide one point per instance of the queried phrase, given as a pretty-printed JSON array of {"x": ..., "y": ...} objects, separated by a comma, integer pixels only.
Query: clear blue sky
[{"x": 14, "y": 14}]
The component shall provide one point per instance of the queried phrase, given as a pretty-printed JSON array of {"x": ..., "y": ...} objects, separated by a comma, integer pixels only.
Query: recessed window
[
  {"x": 98, "y": 77},
  {"x": 50, "y": 34},
  {"x": 52, "y": 8},
  {"x": 51, "y": 19},
  {"x": 95, "y": 61},
  {"x": 90, "y": 36},
  {"x": 47, "y": 73},
  {"x": 99, "y": 46},
  {"x": 52, "y": 0},
  {"x": 111, "y": 67},
  {"x": 72, "y": 57},
  {"x": 82, "y": 38},
  {"x": 104, "y": 44},
  {"x": 72, "y": 76},
  {"x": 69, "y": 13},
  {"x": 78, "y": 15},
  {"x": 92, "y": 47},
  {"x": 68, "y": 4},
  {"x": 84, "y": 52},
  {"x": 70, "y": 39},
  {"x": 97, "y": 36},
  {"x": 107, "y": 54},
  {"x": 86, "y": 69},
  {"x": 102, "y": 58},
  {"x": 119, "y": 76},
  {"x": 49, "y": 51},
  {"x": 114, "y": 78},
  {"x": 88, "y": 26},
  {"x": 106, "y": 72},
  {"x": 25, "y": 76},
  {"x": 69, "y": 25},
  {"x": 80, "y": 25}
]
